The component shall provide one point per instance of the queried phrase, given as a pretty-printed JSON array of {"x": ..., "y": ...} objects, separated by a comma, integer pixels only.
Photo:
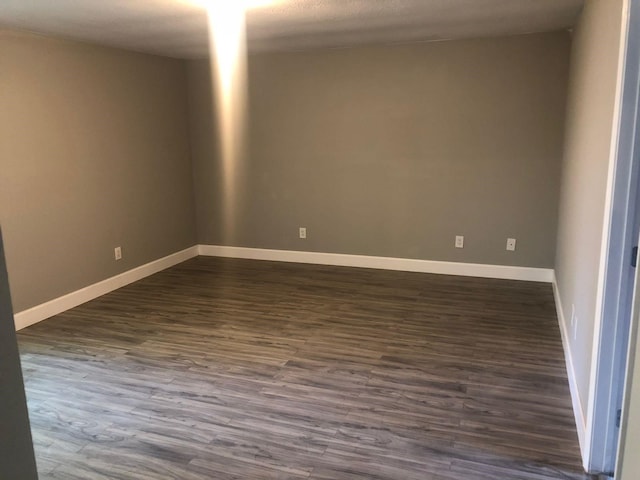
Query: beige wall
[
  {"x": 590, "y": 117},
  {"x": 393, "y": 151},
  {"x": 94, "y": 153},
  {"x": 205, "y": 154}
]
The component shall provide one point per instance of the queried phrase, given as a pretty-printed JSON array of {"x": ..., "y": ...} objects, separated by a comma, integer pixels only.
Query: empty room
[{"x": 319, "y": 239}]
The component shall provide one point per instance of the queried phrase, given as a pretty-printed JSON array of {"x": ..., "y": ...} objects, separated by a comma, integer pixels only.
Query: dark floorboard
[{"x": 237, "y": 369}]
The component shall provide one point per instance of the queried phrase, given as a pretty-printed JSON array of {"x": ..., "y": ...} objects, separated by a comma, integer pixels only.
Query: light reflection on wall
[{"x": 228, "y": 52}]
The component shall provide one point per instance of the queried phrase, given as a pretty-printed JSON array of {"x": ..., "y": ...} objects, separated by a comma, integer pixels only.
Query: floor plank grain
[{"x": 239, "y": 369}]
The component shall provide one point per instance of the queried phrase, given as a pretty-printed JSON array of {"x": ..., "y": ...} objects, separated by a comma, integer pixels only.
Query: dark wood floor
[{"x": 236, "y": 369}]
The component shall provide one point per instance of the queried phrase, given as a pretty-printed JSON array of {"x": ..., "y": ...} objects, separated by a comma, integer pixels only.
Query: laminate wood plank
[{"x": 236, "y": 369}]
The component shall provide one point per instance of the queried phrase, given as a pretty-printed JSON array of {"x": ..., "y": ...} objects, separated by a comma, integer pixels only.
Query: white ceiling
[{"x": 178, "y": 28}]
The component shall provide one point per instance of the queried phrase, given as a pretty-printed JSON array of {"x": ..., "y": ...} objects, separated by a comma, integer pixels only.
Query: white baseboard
[
  {"x": 58, "y": 305},
  {"x": 384, "y": 263},
  {"x": 581, "y": 424}
]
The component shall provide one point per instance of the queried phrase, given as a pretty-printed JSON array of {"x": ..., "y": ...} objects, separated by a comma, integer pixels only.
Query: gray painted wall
[
  {"x": 17, "y": 460},
  {"x": 205, "y": 154},
  {"x": 94, "y": 153},
  {"x": 393, "y": 151},
  {"x": 590, "y": 116}
]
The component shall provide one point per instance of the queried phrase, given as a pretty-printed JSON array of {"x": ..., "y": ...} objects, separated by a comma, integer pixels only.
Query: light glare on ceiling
[{"x": 244, "y": 4}]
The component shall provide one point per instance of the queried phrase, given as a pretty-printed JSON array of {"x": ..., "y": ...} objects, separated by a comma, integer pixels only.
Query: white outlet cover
[
  {"x": 511, "y": 244},
  {"x": 303, "y": 232},
  {"x": 459, "y": 241},
  {"x": 573, "y": 314}
]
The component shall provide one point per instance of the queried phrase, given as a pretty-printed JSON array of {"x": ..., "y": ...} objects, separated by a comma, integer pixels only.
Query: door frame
[
  {"x": 616, "y": 282},
  {"x": 17, "y": 459}
]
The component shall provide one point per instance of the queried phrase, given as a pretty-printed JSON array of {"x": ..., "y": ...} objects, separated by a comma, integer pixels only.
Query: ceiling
[{"x": 178, "y": 28}]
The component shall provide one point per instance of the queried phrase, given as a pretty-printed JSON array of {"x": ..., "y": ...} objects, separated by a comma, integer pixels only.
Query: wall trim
[
  {"x": 383, "y": 263},
  {"x": 58, "y": 305},
  {"x": 578, "y": 412},
  {"x": 71, "y": 300}
]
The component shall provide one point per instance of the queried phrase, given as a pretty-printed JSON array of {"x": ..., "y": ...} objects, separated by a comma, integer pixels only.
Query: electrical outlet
[
  {"x": 574, "y": 322},
  {"x": 511, "y": 244},
  {"x": 573, "y": 314},
  {"x": 302, "y": 232},
  {"x": 117, "y": 253},
  {"x": 459, "y": 241}
]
